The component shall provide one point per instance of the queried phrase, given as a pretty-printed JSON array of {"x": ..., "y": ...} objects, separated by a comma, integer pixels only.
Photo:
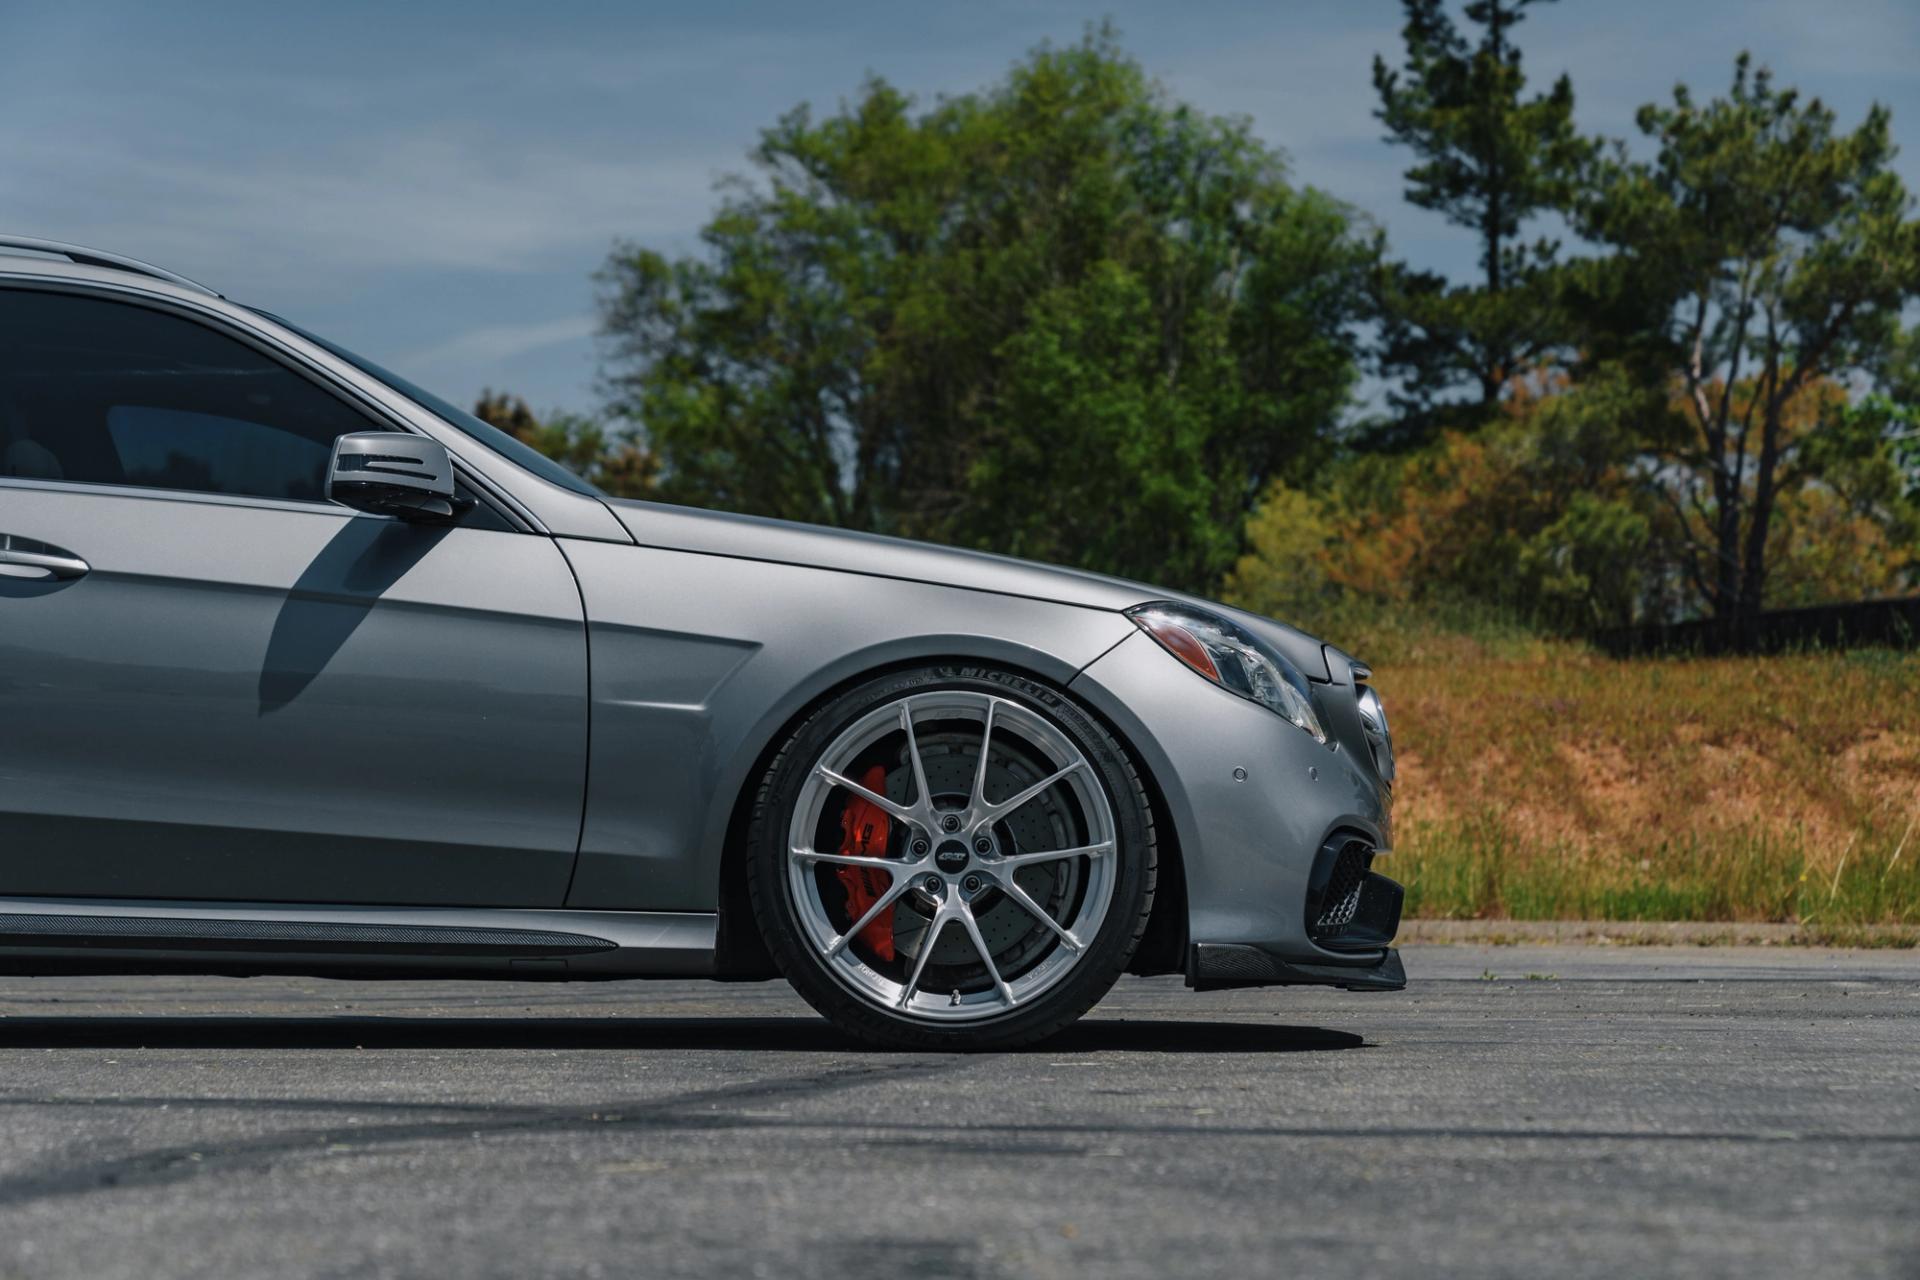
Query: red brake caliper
[{"x": 863, "y": 830}]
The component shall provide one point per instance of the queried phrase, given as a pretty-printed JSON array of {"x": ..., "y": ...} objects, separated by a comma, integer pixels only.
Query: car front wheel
[{"x": 952, "y": 858}]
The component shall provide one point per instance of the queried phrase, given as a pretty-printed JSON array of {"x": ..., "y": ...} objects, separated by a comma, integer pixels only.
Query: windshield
[{"x": 507, "y": 446}]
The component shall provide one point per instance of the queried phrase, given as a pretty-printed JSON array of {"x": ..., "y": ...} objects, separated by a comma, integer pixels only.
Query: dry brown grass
[{"x": 1542, "y": 781}]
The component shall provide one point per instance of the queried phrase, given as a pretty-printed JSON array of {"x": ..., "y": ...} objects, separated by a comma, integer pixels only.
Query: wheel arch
[{"x": 740, "y": 952}]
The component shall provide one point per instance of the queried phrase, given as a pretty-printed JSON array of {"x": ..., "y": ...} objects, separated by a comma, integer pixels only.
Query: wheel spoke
[
  {"x": 980, "y": 944},
  {"x": 1012, "y": 889},
  {"x": 1019, "y": 798},
  {"x": 922, "y": 796},
  {"x": 892, "y": 808},
  {"x": 1014, "y": 861},
  {"x": 891, "y": 866},
  {"x": 899, "y": 886},
  {"x": 977, "y": 799},
  {"x": 939, "y": 921}
]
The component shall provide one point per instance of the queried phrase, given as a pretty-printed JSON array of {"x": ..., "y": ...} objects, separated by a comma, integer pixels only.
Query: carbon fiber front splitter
[{"x": 1214, "y": 966}]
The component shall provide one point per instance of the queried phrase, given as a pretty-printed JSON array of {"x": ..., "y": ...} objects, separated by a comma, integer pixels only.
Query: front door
[{"x": 216, "y": 686}]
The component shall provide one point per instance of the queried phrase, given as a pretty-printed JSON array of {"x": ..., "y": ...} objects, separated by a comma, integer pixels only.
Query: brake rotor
[{"x": 1012, "y": 935}]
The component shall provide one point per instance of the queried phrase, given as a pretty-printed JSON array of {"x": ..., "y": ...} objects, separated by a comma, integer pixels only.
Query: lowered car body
[{"x": 493, "y": 723}]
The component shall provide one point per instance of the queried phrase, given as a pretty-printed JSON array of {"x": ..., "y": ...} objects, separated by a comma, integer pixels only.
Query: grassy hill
[{"x": 1542, "y": 781}]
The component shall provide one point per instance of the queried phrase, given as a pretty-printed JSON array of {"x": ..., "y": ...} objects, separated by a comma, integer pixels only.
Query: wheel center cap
[{"x": 951, "y": 857}]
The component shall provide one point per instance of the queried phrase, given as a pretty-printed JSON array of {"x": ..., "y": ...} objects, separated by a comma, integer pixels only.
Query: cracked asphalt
[{"x": 1516, "y": 1111}]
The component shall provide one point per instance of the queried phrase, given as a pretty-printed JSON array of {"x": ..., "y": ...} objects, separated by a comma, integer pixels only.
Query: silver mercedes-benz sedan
[{"x": 304, "y": 670}]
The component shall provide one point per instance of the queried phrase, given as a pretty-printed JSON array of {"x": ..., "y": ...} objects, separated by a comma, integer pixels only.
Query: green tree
[
  {"x": 1533, "y": 517},
  {"x": 1760, "y": 253},
  {"x": 1489, "y": 159},
  {"x": 1890, "y": 417},
  {"x": 1064, "y": 317},
  {"x": 617, "y": 462}
]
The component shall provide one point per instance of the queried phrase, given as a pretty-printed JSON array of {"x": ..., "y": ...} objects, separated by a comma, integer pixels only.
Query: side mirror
[{"x": 392, "y": 473}]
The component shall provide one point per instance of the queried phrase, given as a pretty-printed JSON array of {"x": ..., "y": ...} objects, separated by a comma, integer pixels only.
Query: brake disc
[{"x": 1012, "y": 935}]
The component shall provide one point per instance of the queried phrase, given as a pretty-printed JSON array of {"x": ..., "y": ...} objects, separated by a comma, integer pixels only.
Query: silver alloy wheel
[{"x": 1034, "y": 768}]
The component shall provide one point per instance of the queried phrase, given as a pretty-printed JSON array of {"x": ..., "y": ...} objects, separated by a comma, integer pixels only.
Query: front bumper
[{"x": 1254, "y": 804}]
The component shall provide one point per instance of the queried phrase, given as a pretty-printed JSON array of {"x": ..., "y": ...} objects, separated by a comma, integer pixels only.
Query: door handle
[{"x": 24, "y": 558}]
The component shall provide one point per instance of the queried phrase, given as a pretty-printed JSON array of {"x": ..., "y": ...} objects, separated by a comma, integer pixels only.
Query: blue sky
[{"x": 433, "y": 183}]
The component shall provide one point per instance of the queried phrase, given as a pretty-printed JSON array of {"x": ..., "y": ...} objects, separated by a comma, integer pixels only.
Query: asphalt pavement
[{"x": 1615, "y": 1112}]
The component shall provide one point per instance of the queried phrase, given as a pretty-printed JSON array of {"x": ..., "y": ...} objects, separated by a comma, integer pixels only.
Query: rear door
[{"x": 215, "y": 685}]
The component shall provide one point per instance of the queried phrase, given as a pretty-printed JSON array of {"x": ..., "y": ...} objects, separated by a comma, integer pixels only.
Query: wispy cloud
[
  {"x": 491, "y": 344},
  {"x": 418, "y": 199},
  {"x": 435, "y": 181}
]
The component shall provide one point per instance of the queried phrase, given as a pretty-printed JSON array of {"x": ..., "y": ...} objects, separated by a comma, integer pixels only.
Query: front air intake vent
[
  {"x": 1346, "y": 861},
  {"x": 1350, "y": 907}
]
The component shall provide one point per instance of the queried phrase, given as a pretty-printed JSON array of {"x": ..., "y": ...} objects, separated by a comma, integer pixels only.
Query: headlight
[
  {"x": 1373, "y": 722},
  {"x": 1372, "y": 713},
  {"x": 1232, "y": 658}
]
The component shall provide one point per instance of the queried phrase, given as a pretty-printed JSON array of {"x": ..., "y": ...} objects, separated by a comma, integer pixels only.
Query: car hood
[{"x": 721, "y": 533}]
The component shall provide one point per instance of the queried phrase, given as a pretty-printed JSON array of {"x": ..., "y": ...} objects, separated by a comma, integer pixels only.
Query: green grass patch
[{"x": 1476, "y": 868}]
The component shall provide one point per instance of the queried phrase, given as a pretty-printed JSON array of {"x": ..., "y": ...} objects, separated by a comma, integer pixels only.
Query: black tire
[{"x": 1099, "y": 965}]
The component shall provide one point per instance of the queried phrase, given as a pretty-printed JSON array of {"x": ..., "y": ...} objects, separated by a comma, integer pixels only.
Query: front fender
[{"x": 699, "y": 661}]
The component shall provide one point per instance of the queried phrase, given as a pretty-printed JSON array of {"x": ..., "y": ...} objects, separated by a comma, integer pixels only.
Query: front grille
[{"x": 1339, "y": 900}]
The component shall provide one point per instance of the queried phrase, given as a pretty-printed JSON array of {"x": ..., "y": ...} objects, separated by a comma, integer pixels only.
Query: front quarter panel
[{"x": 699, "y": 661}]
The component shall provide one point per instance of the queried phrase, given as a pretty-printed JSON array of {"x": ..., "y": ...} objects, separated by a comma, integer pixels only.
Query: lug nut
[
  {"x": 982, "y": 845},
  {"x": 950, "y": 823},
  {"x": 921, "y": 846},
  {"x": 971, "y": 884},
  {"x": 932, "y": 885}
]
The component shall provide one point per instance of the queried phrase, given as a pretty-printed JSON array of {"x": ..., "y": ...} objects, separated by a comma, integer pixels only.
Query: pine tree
[{"x": 1489, "y": 159}]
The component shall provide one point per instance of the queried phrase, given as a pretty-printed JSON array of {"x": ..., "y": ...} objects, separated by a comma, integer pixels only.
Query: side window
[
  {"x": 180, "y": 449},
  {"x": 103, "y": 392}
]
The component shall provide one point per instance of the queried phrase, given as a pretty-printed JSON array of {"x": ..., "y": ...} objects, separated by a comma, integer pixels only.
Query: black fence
[{"x": 1870, "y": 623}]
